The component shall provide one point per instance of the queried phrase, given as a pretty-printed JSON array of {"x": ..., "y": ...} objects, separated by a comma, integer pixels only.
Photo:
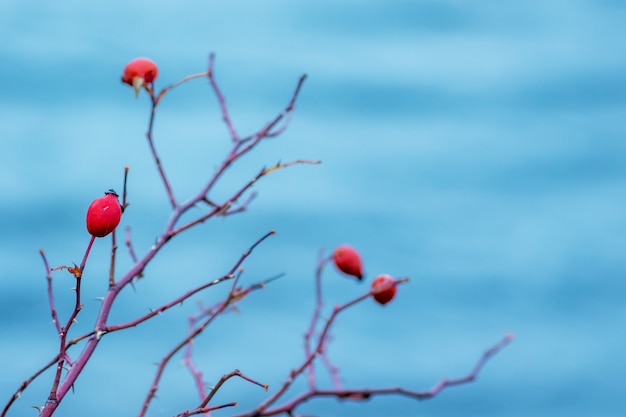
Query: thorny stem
[
  {"x": 52, "y": 398},
  {"x": 53, "y": 311},
  {"x": 238, "y": 294},
  {"x": 188, "y": 358},
  {"x": 16, "y": 395},
  {"x": 319, "y": 304},
  {"x": 318, "y": 348},
  {"x": 157, "y": 159},
  {"x": 225, "y": 378},
  {"x": 226, "y": 207},
  {"x": 112, "y": 266},
  {"x": 221, "y": 100},
  {"x": 84, "y": 261},
  {"x": 155, "y": 102},
  {"x": 107, "y": 301},
  {"x": 205, "y": 409},
  {"x": 129, "y": 245},
  {"x": 63, "y": 331},
  {"x": 171, "y": 353},
  {"x": 188, "y": 361},
  {"x": 125, "y": 203},
  {"x": 237, "y": 151},
  {"x": 232, "y": 297},
  {"x": 365, "y": 394},
  {"x": 332, "y": 370},
  {"x": 188, "y": 294}
]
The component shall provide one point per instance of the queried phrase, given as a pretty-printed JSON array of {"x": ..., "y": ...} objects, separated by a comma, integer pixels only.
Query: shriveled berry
[
  {"x": 104, "y": 214},
  {"x": 348, "y": 261},
  {"x": 140, "y": 72},
  {"x": 383, "y": 295}
]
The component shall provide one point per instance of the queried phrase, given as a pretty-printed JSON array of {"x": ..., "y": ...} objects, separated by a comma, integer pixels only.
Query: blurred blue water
[{"x": 476, "y": 148}]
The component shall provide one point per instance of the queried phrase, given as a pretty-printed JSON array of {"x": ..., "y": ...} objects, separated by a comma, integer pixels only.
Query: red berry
[
  {"x": 348, "y": 261},
  {"x": 104, "y": 214},
  {"x": 383, "y": 296},
  {"x": 139, "y": 72}
]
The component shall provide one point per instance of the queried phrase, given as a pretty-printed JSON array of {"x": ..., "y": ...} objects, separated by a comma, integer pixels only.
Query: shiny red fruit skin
[
  {"x": 140, "y": 67},
  {"x": 348, "y": 261},
  {"x": 386, "y": 295},
  {"x": 104, "y": 214}
]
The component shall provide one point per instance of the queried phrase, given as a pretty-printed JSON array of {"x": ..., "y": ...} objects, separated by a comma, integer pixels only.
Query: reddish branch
[
  {"x": 319, "y": 305},
  {"x": 265, "y": 408},
  {"x": 204, "y": 410},
  {"x": 225, "y": 378},
  {"x": 315, "y": 343},
  {"x": 235, "y": 294},
  {"x": 61, "y": 386},
  {"x": 129, "y": 246},
  {"x": 53, "y": 311},
  {"x": 18, "y": 393},
  {"x": 366, "y": 394}
]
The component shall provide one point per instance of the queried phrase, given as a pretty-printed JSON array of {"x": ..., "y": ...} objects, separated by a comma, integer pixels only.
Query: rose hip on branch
[
  {"x": 140, "y": 72},
  {"x": 348, "y": 261},
  {"x": 104, "y": 214},
  {"x": 382, "y": 289}
]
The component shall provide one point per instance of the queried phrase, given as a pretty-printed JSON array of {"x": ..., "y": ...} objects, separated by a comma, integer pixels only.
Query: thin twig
[
  {"x": 319, "y": 304},
  {"x": 157, "y": 159},
  {"x": 232, "y": 297},
  {"x": 129, "y": 245},
  {"x": 172, "y": 86},
  {"x": 62, "y": 358},
  {"x": 224, "y": 208},
  {"x": 220, "y": 99},
  {"x": 125, "y": 202},
  {"x": 366, "y": 394},
  {"x": 113, "y": 253},
  {"x": 53, "y": 311},
  {"x": 225, "y": 378},
  {"x": 17, "y": 394},
  {"x": 205, "y": 409}
]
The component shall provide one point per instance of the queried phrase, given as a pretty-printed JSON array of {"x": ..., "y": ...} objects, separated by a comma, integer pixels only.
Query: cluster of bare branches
[{"x": 68, "y": 364}]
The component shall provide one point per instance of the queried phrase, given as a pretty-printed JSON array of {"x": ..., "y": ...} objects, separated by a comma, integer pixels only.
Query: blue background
[{"x": 476, "y": 147}]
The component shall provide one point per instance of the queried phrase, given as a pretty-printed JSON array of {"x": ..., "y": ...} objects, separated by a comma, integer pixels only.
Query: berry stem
[
  {"x": 155, "y": 156},
  {"x": 84, "y": 261},
  {"x": 63, "y": 358},
  {"x": 112, "y": 266},
  {"x": 53, "y": 311},
  {"x": 124, "y": 202}
]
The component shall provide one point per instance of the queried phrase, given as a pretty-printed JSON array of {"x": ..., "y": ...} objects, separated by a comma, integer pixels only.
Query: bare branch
[
  {"x": 221, "y": 100},
  {"x": 231, "y": 298},
  {"x": 53, "y": 311},
  {"x": 366, "y": 394},
  {"x": 225, "y": 378},
  {"x": 318, "y": 349},
  {"x": 205, "y": 410}
]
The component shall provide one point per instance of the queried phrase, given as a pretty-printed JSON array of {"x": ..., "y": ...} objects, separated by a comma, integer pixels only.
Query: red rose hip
[
  {"x": 104, "y": 214},
  {"x": 383, "y": 296},
  {"x": 348, "y": 261},
  {"x": 139, "y": 73}
]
